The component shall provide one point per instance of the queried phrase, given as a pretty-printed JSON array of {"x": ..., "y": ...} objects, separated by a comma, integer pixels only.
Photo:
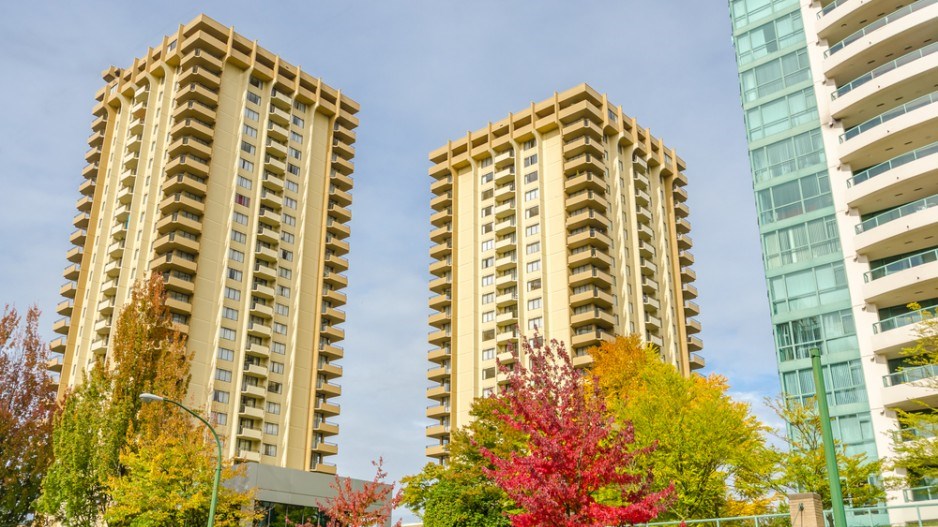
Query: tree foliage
[
  {"x": 369, "y": 505},
  {"x": 133, "y": 465},
  {"x": 578, "y": 467},
  {"x": 915, "y": 451},
  {"x": 803, "y": 467},
  {"x": 459, "y": 494},
  {"x": 711, "y": 447},
  {"x": 27, "y": 408}
]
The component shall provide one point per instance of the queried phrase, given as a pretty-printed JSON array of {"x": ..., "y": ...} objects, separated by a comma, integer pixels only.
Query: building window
[
  {"x": 244, "y": 182},
  {"x": 532, "y": 248},
  {"x": 239, "y": 237},
  {"x": 531, "y": 194},
  {"x": 534, "y": 303},
  {"x": 534, "y": 285},
  {"x": 221, "y": 397},
  {"x": 251, "y": 114},
  {"x": 534, "y": 266},
  {"x": 273, "y": 408},
  {"x": 232, "y": 293},
  {"x": 485, "y": 162},
  {"x": 286, "y": 255},
  {"x": 225, "y": 354},
  {"x": 531, "y": 212},
  {"x": 235, "y": 274},
  {"x": 486, "y": 211},
  {"x": 289, "y": 220},
  {"x": 530, "y": 160},
  {"x": 286, "y": 237},
  {"x": 248, "y": 147},
  {"x": 536, "y": 323},
  {"x": 280, "y": 329},
  {"x": 488, "y": 298},
  {"x": 242, "y": 200},
  {"x": 294, "y": 153},
  {"x": 487, "y": 194},
  {"x": 282, "y": 309},
  {"x": 237, "y": 217},
  {"x": 487, "y": 178},
  {"x": 285, "y": 273},
  {"x": 295, "y": 137},
  {"x": 531, "y": 230},
  {"x": 530, "y": 177},
  {"x": 529, "y": 144},
  {"x": 488, "y": 354},
  {"x": 249, "y": 130},
  {"x": 488, "y": 316},
  {"x": 227, "y": 334},
  {"x": 488, "y": 245},
  {"x": 488, "y": 262},
  {"x": 270, "y": 450},
  {"x": 488, "y": 227},
  {"x": 253, "y": 97},
  {"x": 274, "y": 387},
  {"x": 236, "y": 255},
  {"x": 289, "y": 203},
  {"x": 223, "y": 375},
  {"x": 283, "y": 291},
  {"x": 278, "y": 347},
  {"x": 257, "y": 83},
  {"x": 276, "y": 367},
  {"x": 219, "y": 418},
  {"x": 271, "y": 429},
  {"x": 229, "y": 313},
  {"x": 298, "y": 121},
  {"x": 488, "y": 279},
  {"x": 292, "y": 186},
  {"x": 246, "y": 165}
]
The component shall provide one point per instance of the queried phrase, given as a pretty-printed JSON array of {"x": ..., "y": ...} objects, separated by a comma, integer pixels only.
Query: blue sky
[{"x": 423, "y": 72}]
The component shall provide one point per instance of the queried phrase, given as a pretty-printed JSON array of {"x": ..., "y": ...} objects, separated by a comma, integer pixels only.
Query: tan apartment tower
[
  {"x": 227, "y": 170},
  {"x": 567, "y": 216}
]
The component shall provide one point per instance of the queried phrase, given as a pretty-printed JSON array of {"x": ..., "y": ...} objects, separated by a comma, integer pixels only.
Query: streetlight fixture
[{"x": 153, "y": 398}]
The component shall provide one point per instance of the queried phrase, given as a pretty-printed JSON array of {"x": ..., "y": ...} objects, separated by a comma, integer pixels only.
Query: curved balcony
[
  {"x": 899, "y": 230},
  {"x": 904, "y": 280},
  {"x": 910, "y": 388},
  {"x": 902, "y": 128},
  {"x": 881, "y": 40},
  {"x": 911, "y": 175},
  {"x": 913, "y": 73},
  {"x": 892, "y": 335}
]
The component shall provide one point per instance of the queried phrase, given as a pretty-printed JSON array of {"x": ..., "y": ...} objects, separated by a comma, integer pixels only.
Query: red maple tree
[
  {"x": 578, "y": 468},
  {"x": 369, "y": 505}
]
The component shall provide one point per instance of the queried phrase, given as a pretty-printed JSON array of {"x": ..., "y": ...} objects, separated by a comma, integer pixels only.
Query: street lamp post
[
  {"x": 149, "y": 397},
  {"x": 827, "y": 435}
]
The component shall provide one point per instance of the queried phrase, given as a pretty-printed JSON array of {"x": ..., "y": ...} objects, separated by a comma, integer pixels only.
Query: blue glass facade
[{"x": 807, "y": 285}]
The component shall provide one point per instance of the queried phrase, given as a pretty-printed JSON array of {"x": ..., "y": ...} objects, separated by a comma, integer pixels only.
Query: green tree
[
  {"x": 27, "y": 408},
  {"x": 459, "y": 494},
  {"x": 803, "y": 467},
  {"x": 915, "y": 458},
  {"x": 711, "y": 447}
]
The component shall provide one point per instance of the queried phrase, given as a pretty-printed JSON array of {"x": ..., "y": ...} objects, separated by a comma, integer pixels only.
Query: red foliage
[
  {"x": 574, "y": 453},
  {"x": 370, "y": 505}
]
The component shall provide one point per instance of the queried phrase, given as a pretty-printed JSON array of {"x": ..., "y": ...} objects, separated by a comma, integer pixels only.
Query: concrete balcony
[
  {"x": 251, "y": 412},
  {"x": 694, "y": 344},
  {"x": 892, "y": 335},
  {"x": 908, "y": 177},
  {"x": 903, "y": 281},
  {"x": 592, "y": 199},
  {"x": 904, "y": 229},
  {"x": 252, "y": 349},
  {"x": 902, "y": 128},
  {"x": 697, "y": 362},
  {"x": 911, "y": 388},
  {"x": 438, "y": 392},
  {"x": 254, "y": 391},
  {"x": 591, "y": 255},
  {"x": 253, "y": 434}
]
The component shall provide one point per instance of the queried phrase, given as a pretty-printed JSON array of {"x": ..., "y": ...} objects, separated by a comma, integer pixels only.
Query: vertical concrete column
[{"x": 806, "y": 510}]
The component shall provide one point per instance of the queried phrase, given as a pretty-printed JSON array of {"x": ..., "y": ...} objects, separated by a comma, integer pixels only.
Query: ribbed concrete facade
[
  {"x": 227, "y": 170},
  {"x": 875, "y": 69},
  {"x": 567, "y": 216}
]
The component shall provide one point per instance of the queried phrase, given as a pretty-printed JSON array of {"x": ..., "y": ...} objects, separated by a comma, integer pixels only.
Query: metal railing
[
  {"x": 907, "y": 375},
  {"x": 885, "y": 68},
  {"x": 876, "y": 24},
  {"x": 901, "y": 265},
  {"x": 895, "y": 162},
  {"x": 898, "y": 321},
  {"x": 889, "y": 115},
  {"x": 896, "y": 213}
]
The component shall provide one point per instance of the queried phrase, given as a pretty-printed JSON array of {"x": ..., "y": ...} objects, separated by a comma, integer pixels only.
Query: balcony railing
[
  {"x": 895, "y": 162},
  {"x": 876, "y": 24},
  {"x": 885, "y": 68},
  {"x": 898, "y": 111},
  {"x": 898, "y": 212},
  {"x": 901, "y": 265},
  {"x": 898, "y": 321},
  {"x": 921, "y": 493},
  {"x": 829, "y": 7},
  {"x": 908, "y": 375}
]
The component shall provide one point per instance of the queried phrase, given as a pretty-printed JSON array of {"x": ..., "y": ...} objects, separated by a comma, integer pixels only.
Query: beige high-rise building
[
  {"x": 566, "y": 216},
  {"x": 227, "y": 170}
]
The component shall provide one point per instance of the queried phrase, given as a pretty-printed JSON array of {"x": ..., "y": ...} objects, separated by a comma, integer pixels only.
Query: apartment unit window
[
  {"x": 488, "y": 227},
  {"x": 295, "y": 137},
  {"x": 285, "y": 273},
  {"x": 292, "y": 186},
  {"x": 488, "y": 373},
  {"x": 223, "y": 375},
  {"x": 488, "y": 354},
  {"x": 283, "y": 291},
  {"x": 276, "y": 367},
  {"x": 273, "y": 408},
  {"x": 251, "y": 114},
  {"x": 488, "y": 279},
  {"x": 280, "y": 329},
  {"x": 530, "y": 177},
  {"x": 253, "y": 97},
  {"x": 531, "y": 194},
  {"x": 249, "y": 130},
  {"x": 532, "y": 248},
  {"x": 278, "y": 347},
  {"x": 221, "y": 397},
  {"x": 246, "y": 165},
  {"x": 236, "y": 255},
  {"x": 531, "y": 230},
  {"x": 227, "y": 334},
  {"x": 488, "y": 298},
  {"x": 298, "y": 121},
  {"x": 534, "y": 285},
  {"x": 219, "y": 418},
  {"x": 294, "y": 153},
  {"x": 225, "y": 354},
  {"x": 289, "y": 220},
  {"x": 529, "y": 144},
  {"x": 235, "y": 274},
  {"x": 248, "y": 147},
  {"x": 230, "y": 314},
  {"x": 244, "y": 182},
  {"x": 289, "y": 203},
  {"x": 488, "y": 245},
  {"x": 487, "y": 194},
  {"x": 488, "y": 316},
  {"x": 299, "y": 106},
  {"x": 242, "y": 200},
  {"x": 530, "y": 160},
  {"x": 286, "y": 237},
  {"x": 270, "y": 450},
  {"x": 282, "y": 309},
  {"x": 488, "y": 262},
  {"x": 271, "y": 429},
  {"x": 487, "y": 178},
  {"x": 485, "y": 162},
  {"x": 274, "y": 387},
  {"x": 237, "y": 217},
  {"x": 286, "y": 255},
  {"x": 534, "y": 303},
  {"x": 486, "y": 211},
  {"x": 232, "y": 293},
  {"x": 536, "y": 323},
  {"x": 531, "y": 212},
  {"x": 488, "y": 334},
  {"x": 293, "y": 169},
  {"x": 533, "y": 266},
  {"x": 257, "y": 83}
]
